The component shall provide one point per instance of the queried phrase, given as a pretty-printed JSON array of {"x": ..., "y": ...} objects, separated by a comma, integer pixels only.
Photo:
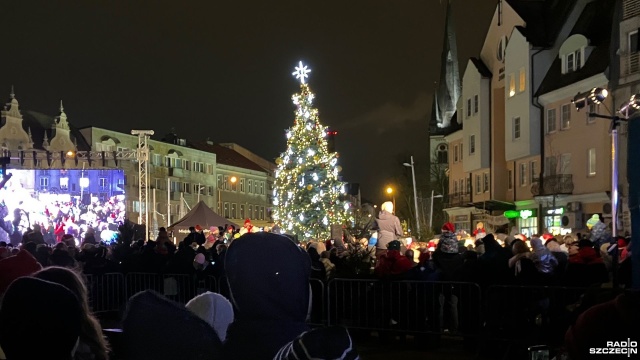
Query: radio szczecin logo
[{"x": 627, "y": 347}]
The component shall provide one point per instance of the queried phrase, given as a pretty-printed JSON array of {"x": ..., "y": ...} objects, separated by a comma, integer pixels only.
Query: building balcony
[
  {"x": 458, "y": 200},
  {"x": 629, "y": 64},
  {"x": 176, "y": 172},
  {"x": 561, "y": 184},
  {"x": 630, "y": 8}
]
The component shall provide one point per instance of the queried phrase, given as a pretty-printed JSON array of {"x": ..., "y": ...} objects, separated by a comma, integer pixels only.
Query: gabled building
[{"x": 576, "y": 172}]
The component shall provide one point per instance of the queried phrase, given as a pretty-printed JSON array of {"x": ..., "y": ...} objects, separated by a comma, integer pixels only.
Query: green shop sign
[{"x": 515, "y": 214}]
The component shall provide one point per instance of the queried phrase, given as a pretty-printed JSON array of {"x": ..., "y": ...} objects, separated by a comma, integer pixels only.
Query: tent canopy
[{"x": 201, "y": 215}]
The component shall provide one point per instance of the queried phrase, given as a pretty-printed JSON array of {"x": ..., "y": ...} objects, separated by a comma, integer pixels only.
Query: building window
[
  {"x": 565, "y": 117},
  {"x": 256, "y": 212},
  {"x": 234, "y": 186},
  {"x": 234, "y": 211},
  {"x": 468, "y": 186},
  {"x": 103, "y": 183},
  {"x": 516, "y": 128},
  {"x": 523, "y": 80},
  {"x": 523, "y": 174},
  {"x": 250, "y": 186},
  {"x": 210, "y": 190},
  {"x": 455, "y": 187},
  {"x": 468, "y": 107},
  {"x": 241, "y": 211},
  {"x": 261, "y": 212},
  {"x": 461, "y": 152},
  {"x": 485, "y": 188},
  {"x": 592, "y": 162},
  {"x": 157, "y": 159},
  {"x": 64, "y": 183},
  {"x": 241, "y": 185},
  {"x": 571, "y": 61},
  {"x": 187, "y": 165},
  {"x": 219, "y": 181},
  {"x": 462, "y": 186},
  {"x": 633, "y": 42},
  {"x": 44, "y": 183},
  {"x": 226, "y": 210},
  {"x": 455, "y": 153},
  {"x": 533, "y": 170},
  {"x": 551, "y": 120},
  {"x": 472, "y": 144},
  {"x": 512, "y": 85},
  {"x": 478, "y": 184},
  {"x": 443, "y": 154},
  {"x": 510, "y": 180},
  {"x": 225, "y": 184},
  {"x": 250, "y": 208},
  {"x": 261, "y": 187},
  {"x": 475, "y": 104},
  {"x": 209, "y": 169}
]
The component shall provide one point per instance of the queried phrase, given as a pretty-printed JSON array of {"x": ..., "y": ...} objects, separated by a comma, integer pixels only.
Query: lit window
[
  {"x": 64, "y": 183},
  {"x": 516, "y": 128},
  {"x": 512, "y": 85},
  {"x": 592, "y": 162},
  {"x": 523, "y": 80}
]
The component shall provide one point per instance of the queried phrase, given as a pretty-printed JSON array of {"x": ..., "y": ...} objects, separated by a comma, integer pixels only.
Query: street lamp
[
  {"x": 393, "y": 197},
  {"x": 431, "y": 212},
  {"x": 415, "y": 193}
]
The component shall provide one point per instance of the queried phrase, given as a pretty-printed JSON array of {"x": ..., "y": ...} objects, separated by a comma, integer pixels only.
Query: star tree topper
[{"x": 302, "y": 72}]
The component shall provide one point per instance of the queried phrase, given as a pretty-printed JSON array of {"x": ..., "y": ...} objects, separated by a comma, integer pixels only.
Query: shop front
[
  {"x": 526, "y": 220},
  {"x": 553, "y": 221}
]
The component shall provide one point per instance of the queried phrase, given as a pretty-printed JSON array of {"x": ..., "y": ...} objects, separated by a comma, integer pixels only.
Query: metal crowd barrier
[
  {"x": 317, "y": 317},
  {"x": 543, "y": 313},
  {"x": 405, "y": 306}
]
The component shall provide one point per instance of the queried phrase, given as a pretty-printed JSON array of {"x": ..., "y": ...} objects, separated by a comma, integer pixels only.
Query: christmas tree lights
[{"x": 308, "y": 196}]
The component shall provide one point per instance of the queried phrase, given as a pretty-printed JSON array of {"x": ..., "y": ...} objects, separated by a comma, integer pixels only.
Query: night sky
[{"x": 222, "y": 69}]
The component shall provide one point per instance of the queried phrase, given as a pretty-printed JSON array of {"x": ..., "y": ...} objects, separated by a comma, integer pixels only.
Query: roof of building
[
  {"x": 595, "y": 24},
  {"x": 40, "y": 123},
  {"x": 482, "y": 68},
  {"x": 227, "y": 156},
  {"x": 543, "y": 18}
]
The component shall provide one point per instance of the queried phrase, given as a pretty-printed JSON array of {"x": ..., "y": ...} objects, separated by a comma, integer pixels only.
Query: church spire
[{"x": 449, "y": 87}]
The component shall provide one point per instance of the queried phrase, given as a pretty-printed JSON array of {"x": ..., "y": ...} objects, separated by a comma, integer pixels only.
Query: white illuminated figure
[{"x": 302, "y": 72}]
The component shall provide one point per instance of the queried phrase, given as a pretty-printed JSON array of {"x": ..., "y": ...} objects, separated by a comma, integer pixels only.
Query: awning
[{"x": 494, "y": 205}]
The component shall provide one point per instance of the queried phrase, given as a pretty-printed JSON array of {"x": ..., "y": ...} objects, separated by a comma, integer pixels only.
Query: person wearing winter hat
[
  {"x": 13, "y": 267},
  {"x": 260, "y": 268},
  {"x": 31, "y": 330},
  {"x": 215, "y": 309},
  {"x": 333, "y": 342},
  {"x": 448, "y": 241},
  {"x": 151, "y": 313}
]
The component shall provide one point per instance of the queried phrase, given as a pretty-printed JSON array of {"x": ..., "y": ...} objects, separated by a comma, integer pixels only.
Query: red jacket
[{"x": 393, "y": 263}]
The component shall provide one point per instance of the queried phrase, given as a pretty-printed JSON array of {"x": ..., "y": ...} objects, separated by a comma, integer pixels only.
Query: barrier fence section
[
  {"x": 405, "y": 306},
  {"x": 542, "y": 313}
]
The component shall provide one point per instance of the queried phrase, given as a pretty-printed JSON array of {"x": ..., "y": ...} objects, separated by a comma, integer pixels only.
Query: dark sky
[{"x": 222, "y": 69}]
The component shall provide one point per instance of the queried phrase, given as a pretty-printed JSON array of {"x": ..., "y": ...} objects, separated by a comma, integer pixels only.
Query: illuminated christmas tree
[{"x": 307, "y": 193}]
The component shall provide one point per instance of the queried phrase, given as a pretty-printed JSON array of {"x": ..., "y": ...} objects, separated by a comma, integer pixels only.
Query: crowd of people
[{"x": 257, "y": 321}]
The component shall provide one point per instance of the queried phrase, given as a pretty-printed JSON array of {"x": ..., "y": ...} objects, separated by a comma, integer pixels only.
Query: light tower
[{"x": 142, "y": 155}]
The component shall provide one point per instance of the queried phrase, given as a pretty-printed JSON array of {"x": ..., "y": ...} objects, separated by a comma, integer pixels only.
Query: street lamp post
[
  {"x": 431, "y": 212},
  {"x": 415, "y": 194}
]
